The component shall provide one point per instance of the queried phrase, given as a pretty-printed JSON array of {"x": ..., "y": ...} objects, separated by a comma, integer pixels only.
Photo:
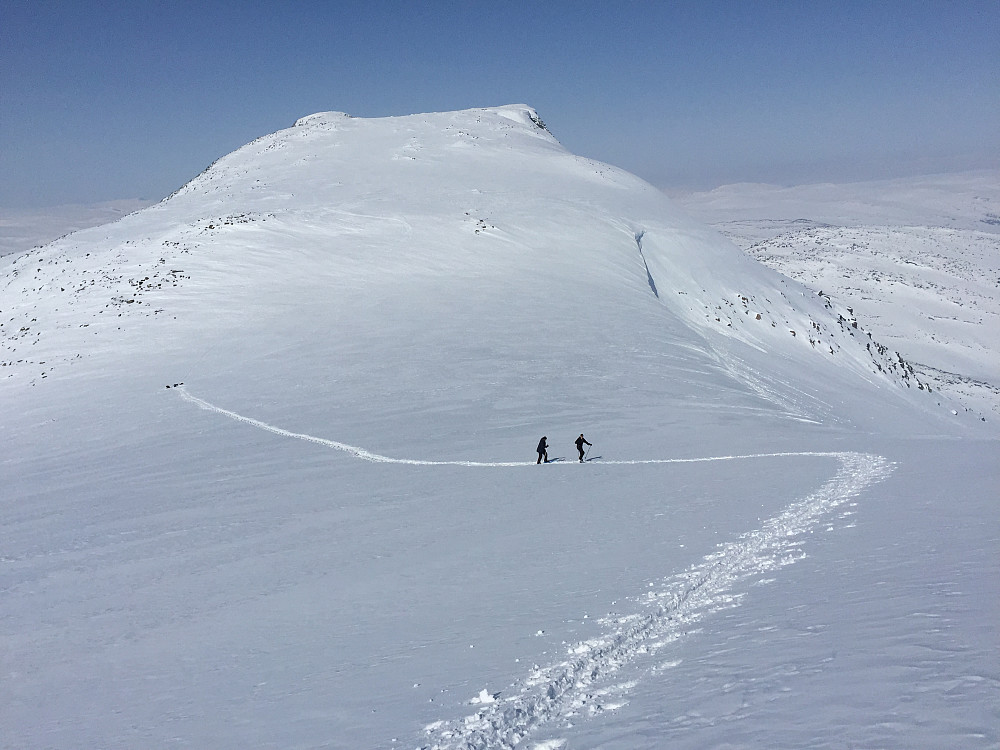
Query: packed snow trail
[
  {"x": 367, "y": 455},
  {"x": 583, "y": 684}
]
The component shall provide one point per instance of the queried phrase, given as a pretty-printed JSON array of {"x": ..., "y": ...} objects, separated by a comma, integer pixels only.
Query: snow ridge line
[
  {"x": 367, "y": 455},
  {"x": 573, "y": 688}
]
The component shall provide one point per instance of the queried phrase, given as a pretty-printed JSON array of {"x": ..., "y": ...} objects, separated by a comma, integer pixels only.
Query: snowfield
[
  {"x": 917, "y": 260},
  {"x": 269, "y": 475}
]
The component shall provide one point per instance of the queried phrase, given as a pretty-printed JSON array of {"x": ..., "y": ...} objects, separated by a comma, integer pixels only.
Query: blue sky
[{"x": 104, "y": 100}]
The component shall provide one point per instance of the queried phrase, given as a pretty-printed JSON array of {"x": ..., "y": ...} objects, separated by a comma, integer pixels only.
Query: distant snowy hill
[
  {"x": 752, "y": 211},
  {"x": 916, "y": 260},
  {"x": 269, "y": 474},
  {"x": 23, "y": 229}
]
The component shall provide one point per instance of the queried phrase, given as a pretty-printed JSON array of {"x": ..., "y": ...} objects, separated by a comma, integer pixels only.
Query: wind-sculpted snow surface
[{"x": 579, "y": 685}]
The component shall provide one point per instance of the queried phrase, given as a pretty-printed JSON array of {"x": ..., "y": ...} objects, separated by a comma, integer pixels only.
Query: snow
[
  {"x": 963, "y": 201},
  {"x": 269, "y": 476},
  {"x": 927, "y": 283}
]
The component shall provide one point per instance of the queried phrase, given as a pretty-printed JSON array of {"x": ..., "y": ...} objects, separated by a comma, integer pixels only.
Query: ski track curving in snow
[
  {"x": 367, "y": 455},
  {"x": 584, "y": 683}
]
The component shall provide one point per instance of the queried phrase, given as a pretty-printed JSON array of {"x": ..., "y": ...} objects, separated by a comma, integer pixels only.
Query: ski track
[
  {"x": 583, "y": 684},
  {"x": 367, "y": 455}
]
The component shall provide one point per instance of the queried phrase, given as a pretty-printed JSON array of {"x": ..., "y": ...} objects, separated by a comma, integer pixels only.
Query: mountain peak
[
  {"x": 448, "y": 231},
  {"x": 321, "y": 118},
  {"x": 518, "y": 113}
]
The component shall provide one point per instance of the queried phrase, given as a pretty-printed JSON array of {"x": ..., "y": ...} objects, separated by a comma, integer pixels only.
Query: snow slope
[
  {"x": 917, "y": 261},
  {"x": 269, "y": 475}
]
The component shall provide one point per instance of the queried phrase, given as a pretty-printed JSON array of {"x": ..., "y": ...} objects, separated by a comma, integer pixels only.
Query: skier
[
  {"x": 580, "y": 442},
  {"x": 543, "y": 450}
]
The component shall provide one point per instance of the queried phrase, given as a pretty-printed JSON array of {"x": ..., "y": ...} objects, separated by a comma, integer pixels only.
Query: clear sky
[{"x": 102, "y": 100}]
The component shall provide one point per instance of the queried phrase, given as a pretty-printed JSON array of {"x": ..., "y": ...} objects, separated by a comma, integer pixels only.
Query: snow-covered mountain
[
  {"x": 270, "y": 475},
  {"x": 917, "y": 260},
  {"x": 447, "y": 225}
]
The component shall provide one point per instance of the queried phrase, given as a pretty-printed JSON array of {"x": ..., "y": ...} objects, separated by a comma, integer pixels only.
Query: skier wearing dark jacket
[
  {"x": 580, "y": 442},
  {"x": 543, "y": 450}
]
